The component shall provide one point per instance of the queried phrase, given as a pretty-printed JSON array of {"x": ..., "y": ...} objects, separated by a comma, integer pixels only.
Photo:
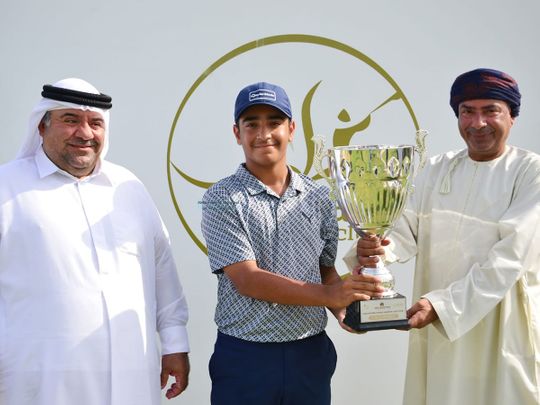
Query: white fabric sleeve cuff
[
  {"x": 389, "y": 253},
  {"x": 174, "y": 340},
  {"x": 350, "y": 258},
  {"x": 443, "y": 324}
]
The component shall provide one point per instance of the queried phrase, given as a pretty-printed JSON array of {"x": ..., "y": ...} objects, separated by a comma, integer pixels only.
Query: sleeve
[
  {"x": 225, "y": 233},
  {"x": 466, "y": 301},
  {"x": 172, "y": 309},
  {"x": 329, "y": 232},
  {"x": 403, "y": 237},
  {"x": 405, "y": 233}
]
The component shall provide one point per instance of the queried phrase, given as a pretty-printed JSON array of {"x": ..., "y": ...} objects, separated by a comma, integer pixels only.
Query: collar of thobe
[
  {"x": 46, "y": 168},
  {"x": 446, "y": 183}
]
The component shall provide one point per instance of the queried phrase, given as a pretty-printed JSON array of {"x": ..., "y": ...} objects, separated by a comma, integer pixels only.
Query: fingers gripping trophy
[{"x": 371, "y": 184}]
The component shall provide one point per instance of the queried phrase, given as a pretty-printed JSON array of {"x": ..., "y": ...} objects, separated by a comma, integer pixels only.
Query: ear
[
  {"x": 41, "y": 128},
  {"x": 236, "y": 132},
  {"x": 292, "y": 128}
]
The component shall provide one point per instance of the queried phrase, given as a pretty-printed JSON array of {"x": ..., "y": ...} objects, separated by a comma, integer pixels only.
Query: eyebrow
[
  {"x": 489, "y": 107},
  {"x": 68, "y": 114},
  {"x": 484, "y": 107}
]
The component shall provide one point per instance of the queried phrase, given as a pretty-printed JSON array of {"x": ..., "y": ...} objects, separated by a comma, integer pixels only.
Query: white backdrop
[{"x": 148, "y": 54}]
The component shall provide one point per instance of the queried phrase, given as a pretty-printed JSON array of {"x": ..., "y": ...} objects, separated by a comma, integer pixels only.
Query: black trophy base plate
[{"x": 353, "y": 320}]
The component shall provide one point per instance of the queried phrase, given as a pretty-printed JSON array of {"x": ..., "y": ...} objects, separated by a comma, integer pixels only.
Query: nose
[
  {"x": 264, "y": 133},
  {"x": 478, "y": 121},
  {"x": 84, "y": 131}
]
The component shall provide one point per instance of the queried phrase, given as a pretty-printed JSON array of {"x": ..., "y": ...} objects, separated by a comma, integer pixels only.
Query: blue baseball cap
[{"x": 262, "y": 93}]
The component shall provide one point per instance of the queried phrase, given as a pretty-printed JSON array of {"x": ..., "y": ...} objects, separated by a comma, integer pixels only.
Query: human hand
[
  {"x": 369, "y": 248},
  {"x": 177, "y": 366},
  {"x": 421, "y": 314},
  {"x": 354, "y": 287},
  {"x": 340, "y": 313}
]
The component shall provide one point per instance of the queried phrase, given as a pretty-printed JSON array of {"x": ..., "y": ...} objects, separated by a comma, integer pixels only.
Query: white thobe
[
  {"x": 87, "y": 277},
  {"x": 474, "y": 228}
]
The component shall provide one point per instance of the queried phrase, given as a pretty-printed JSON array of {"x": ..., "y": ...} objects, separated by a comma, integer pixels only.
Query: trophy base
[{"x": 378, "y": 314}]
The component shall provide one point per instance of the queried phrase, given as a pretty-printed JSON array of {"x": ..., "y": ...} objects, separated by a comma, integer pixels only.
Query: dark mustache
[
  {"x": 81, "y": 142},
  {"x": 481, "y": 131}
]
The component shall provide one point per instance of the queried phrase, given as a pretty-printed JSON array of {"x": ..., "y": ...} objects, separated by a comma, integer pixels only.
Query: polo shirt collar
[{"x": 254, "y": 186}]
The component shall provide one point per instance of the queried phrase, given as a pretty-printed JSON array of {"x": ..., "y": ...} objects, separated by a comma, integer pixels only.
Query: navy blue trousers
[{"x": 289, "y": 373}]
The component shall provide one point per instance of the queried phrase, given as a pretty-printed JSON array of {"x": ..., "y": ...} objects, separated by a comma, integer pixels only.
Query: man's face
[
  {"x": 485, "y": 126},
  {"x": 264, "y": 133},
  {"x": 73, "y": 140}
]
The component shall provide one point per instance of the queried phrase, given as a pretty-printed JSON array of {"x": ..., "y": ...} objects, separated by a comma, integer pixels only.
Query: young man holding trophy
[
  {"x": 473, "y": 224},
  {"x": 272, "y": 239}
]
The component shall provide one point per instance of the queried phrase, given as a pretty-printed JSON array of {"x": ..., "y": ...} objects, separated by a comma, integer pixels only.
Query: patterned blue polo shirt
[{"x": 291, "y": 235}]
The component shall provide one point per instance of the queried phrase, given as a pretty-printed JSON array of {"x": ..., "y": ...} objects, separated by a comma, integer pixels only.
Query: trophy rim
[{"x": 372, "y": 147}]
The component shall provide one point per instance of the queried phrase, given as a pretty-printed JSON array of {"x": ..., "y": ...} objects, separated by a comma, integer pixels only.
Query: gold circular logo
[{"x": 341, "y": 92}]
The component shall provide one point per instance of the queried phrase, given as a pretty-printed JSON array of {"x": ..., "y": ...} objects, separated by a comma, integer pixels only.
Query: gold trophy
[{"x": 371, "y": 184}]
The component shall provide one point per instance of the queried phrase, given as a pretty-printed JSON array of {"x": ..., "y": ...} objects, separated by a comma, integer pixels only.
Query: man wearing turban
[
  {"x": 473, "y": 225},
  {"x": 87, "y": 276}
]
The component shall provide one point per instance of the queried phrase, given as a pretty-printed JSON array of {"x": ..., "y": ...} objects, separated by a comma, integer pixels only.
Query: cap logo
[{"x": 262, "y": 94}]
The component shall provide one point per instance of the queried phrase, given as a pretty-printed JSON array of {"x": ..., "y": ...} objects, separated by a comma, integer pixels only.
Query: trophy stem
[{"x": 387, "y": 279}]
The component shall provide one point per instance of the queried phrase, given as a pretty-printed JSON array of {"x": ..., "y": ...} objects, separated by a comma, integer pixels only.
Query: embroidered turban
[{"x": 485, "y": 84}]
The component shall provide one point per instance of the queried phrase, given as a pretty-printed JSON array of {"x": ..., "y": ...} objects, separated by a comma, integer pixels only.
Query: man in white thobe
[
  {"x": 473, "y": 225},
  {"x": 87, "y": 276}
]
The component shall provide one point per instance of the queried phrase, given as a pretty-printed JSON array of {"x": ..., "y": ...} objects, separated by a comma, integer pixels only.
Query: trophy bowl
[{"x": 371, "y": 184}]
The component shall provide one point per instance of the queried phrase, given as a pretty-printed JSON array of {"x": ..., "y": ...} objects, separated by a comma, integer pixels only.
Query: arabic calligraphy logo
[{"x": 325, "y": 74}]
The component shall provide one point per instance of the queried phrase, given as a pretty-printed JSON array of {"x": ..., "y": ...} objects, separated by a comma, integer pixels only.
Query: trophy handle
[
  {"x": 320, "y": 154},
  {"x": 421, "y": 146}
]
